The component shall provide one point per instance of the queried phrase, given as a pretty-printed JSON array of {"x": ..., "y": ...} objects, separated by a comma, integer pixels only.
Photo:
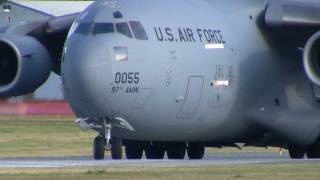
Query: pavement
[{"x": 213, "y": 159}]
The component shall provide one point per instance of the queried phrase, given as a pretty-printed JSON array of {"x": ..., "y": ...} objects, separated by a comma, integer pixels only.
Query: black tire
[
  {"x": 116, "y": 148},
  {"x": 134, "y": 150},
  {"x": 296, "y": 152},
  {"x": 176, "y": 150},
  {"x": 98, "y": 148},
  {"x": 196, "y": 150},
  {"x": 154, "y": 151},
  {"x": 313, "y": 152}
]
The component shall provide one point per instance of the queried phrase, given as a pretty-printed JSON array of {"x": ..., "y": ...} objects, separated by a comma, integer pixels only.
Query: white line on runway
[{"x": 102, "y": 163}]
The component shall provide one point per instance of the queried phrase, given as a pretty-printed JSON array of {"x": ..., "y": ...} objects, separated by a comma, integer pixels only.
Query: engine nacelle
[
  {"x": 311, "y": 58},
  {"x": 24, "y": 65}
]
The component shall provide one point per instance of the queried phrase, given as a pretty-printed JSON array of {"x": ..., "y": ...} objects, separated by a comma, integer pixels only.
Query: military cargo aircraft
[{"x": 177, "y": 76}]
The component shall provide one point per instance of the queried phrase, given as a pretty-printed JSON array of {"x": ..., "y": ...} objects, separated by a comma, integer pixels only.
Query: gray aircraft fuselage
[{"x": 207, "y": 71}]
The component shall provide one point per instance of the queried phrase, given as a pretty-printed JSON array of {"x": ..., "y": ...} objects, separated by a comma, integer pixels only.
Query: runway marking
[
  {"x": 210, "y": 159},
  {"x": 87, "y": 163}
]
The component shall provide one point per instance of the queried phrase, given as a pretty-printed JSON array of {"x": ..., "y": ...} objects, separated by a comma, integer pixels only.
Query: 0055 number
[{"x": 127, "y": 78}]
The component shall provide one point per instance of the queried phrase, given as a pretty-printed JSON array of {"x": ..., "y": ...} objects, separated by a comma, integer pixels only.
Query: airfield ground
[
  {"x": 59, "y": 137},
  {"x": 54, "y": 136},
  {"x": 241, "y": 172},
  {"x": 39, "y": 136}
]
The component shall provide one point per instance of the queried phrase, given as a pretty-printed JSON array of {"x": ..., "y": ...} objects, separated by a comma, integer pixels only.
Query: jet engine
[
  {"x": 311, "y": 58},
  {"x": 24, "y": 65}
]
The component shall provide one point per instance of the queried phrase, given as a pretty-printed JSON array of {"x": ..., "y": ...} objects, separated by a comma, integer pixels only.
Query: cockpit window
[
  {"x": 131, "y": 29},
  {"x": 84, "y": 28},
  {"x": 138, "y": 30},
  {"x": 101, "y": 28},
  {"x": 124, "y": 29}
]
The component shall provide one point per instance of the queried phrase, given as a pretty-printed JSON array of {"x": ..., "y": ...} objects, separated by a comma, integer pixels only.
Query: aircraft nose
[{"x": 86, "y": 71}]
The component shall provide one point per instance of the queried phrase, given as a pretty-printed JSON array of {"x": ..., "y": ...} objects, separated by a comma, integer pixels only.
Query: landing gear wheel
[
  {"x": 155, "y": 151},
  {"x": 134, "y": 150},
  {"x": 296, "y": 152},
  {"x": 98, "y": 148},
  {"x": 313, "y": 152},
  {"x": 116, "y": 148},
  {"x": 176, "y": 150},
  {"x": 195, "y": 151}
]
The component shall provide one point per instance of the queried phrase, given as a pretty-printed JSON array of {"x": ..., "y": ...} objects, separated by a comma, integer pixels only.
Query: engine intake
[
  {"x": 311, "y": 58},
  {"x": 24, "y": 65}
]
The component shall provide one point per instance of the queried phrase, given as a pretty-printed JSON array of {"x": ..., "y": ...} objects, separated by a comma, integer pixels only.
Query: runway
[{"x": 209, "y": 160}]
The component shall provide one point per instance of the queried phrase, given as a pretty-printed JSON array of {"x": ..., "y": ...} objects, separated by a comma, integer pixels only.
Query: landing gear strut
[
  {"x": 296, "y": 152},
  {"x": 176, "y": 150},
  {"x": 116, "y": 148},
  {"x": 195, "y": 150},
  {"x": 134, "y": 149},
  {"x": 155, "y": 150},
  {"x": 313, "y": 152}
]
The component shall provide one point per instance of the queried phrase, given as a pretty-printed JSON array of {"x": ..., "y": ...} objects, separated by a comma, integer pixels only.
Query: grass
[
  {"x": 40, "y": 136},
  {"x": 43, "y": 136},
  {"x": 240, "y": 172},
  {"x": 59, "y": 136}
]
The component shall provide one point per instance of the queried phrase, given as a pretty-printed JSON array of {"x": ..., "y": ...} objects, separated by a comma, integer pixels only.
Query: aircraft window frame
[
  {"x": 138, "y": 30},
  {"x": 103, "y": 28},
  {"x": 83, "y": 28},
  {"x": 126, "y": 31}
]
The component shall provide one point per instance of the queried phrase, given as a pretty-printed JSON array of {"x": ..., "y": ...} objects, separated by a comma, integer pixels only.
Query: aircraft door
[{"x": 192, "y": 97}]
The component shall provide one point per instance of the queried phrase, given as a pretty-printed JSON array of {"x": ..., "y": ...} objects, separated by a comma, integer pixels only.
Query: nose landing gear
[
  {"x": 105, "y": 142},
  {"x": 134, "y": 149},
  {"x": 99, "y": 148},
  {"x": 100, "y": 145}
]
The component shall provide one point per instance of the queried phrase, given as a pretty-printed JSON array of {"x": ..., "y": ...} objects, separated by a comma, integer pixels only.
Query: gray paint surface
[{"x": 257, "y": 75}]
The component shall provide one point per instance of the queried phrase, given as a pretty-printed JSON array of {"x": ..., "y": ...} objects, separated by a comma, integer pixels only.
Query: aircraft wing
[
  {"x": 284, "y": 13},
  {"x": 60, "y": 24},
  {"x": 55, "y": 33},
  {"x": 42, "y": 28}
]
